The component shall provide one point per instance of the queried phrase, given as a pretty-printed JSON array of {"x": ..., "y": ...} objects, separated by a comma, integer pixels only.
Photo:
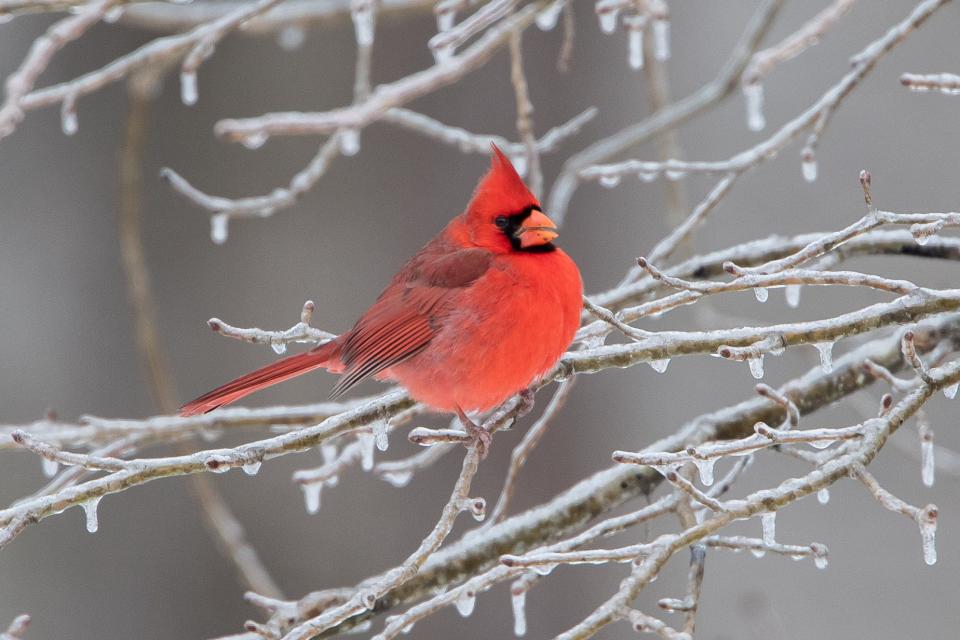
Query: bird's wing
[{"x": 408, "y": 313}]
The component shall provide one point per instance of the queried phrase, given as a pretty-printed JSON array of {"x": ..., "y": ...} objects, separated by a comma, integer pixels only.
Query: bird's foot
[
  {"x": 481, "y": 437},
  {"x": 526, "y": 402}
]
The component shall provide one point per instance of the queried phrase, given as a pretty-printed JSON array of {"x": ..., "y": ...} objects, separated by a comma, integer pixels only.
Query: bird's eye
[{"x": 501, "y": 222}]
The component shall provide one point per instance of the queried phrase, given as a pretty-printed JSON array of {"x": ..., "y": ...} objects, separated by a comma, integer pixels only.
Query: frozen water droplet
[
  {"x": 635, "y": 42},
  {"x": 705, "y": 469},
  {"x": 826, "y": 355},
  {"x": 928, "y": 531},
  {"x": 661, "y": 39},
  {"x": 90, "y": 510},
  {"x": 820, "y": 444},
  {"x": 407, "y": 629},
  {"x": 68, "y": 117},
  {"x": 820, "y": 555},
  {"x": 279, "y": 347},
  {"x": 519, "y": 601},
  {"x": 366, "y": 441},
  {"x": 758, "y": 552},
  {"x": 363, "y": 23},
  {"x": 398, "y": 478},
  {"x": 547, "y": 19},
  {"x": 311, "y": 496},
  {"x": 254, "y": 140},
  {"x": 50, "y": 467},
  {"x": 349, "y": 142},
  {"x": 544, "y": 569},
  {"x": 291, "y": 37},
  {"x": 380, "y": 434},
  {"x": 113, "y": 14},
  {"x": 465, "y": 603},
  {"x": 792, "y": 293},
  {"x": 188, "y": 88},
  {"x": 610, "y": 180},
  {"x": 951, "y": 391},
  {"x": 809, "y": 168},
  {"x": 927, "y": 464},
  {"x": 218, "y": 228},
  {"x": 761, "y": 293},
  {"x": 753, "y": 95},
  {"x": 756, "y": 366},
  {"x": 768, "y": 521},
  {"x": 608, "y": 20},
  {"x": 332, "y": 481},
  {"x": 445, "y": 20},
  {"x": 660, "y": 365},
  {"x": 252, "y": 468},
  {"x": 823, "y": 496},
  {"x": 675, "y": 174},
  {"x": 648, "y": 176}
]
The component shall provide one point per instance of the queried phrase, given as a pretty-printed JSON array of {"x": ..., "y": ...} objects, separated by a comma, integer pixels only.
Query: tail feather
[{"x": 267, "y": 376}]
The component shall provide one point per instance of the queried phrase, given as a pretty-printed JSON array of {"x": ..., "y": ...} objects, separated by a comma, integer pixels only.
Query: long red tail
[{"x": 267, "y": 376}]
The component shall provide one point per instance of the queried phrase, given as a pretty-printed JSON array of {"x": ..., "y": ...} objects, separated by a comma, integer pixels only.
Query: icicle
[
  {"x": 758, "y": 552},
  {"x": 519, "y": 601},
  {"x": 792, "y": 293},
  {"x": 407, "y": 629},
  {"x": 218, "y": 228},
  {"x": 705, "y": 468},
  {"x": 753, "y": 95},
  {"x": 443, "y": 53},
  {"x": 951, "y": 391},
  {"x": 544, "y": 569},
  {"x": 819, "y": 555},
  {"x": 927, "y": 463},
  {"x": 252, "y": 468},
  {"x": 278, "y": 347},
  {"x": 50, "y": 467},
  {"x": 68, "y": 116},
  {"x": 547, "y": 19},
  {"x": 823, "y": 496},
  {"x": 254, "y": 140},
  {"x": 928, "y": 530},
  {"x": 660, "y": 365},
  {"x": 349, "y": 142},
  {"x": 610, "y": 180},
  {"x": 380, "y": 434},
  {"x": 826, "y": 355},
  {"x": 366, "y": 441},
  {"x": 445, "y": 20},
  {"x": 661, "y": 39},
  {"x": 756, "y": 366},
  {"x": 761, "y": 293},
  {"x": 635, "y": 42},
  {"x": 188, "y": 88},
  {"x": 808, "y": 165},
  {"x": 90, "y": 509},
  {"x": 291, "y": 37},
  {"x": 398, "y": 478},
  {"x": 769, "y": 523},
  {"x": 465, "y": 603},
  {"x": 608, "y": 20},
  {"x": 329, "y": 453},
  {"x": 362, "y": 14},
  {"x": 311, "y": 495},
  {"x": 113, "y": 14}
]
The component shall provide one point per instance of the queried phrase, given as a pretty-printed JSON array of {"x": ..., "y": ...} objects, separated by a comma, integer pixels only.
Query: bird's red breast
[{"x": 485, "y": 308}]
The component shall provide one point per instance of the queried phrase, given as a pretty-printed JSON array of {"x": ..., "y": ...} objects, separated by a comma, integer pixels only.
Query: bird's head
[{"x": 504, "y": 216}]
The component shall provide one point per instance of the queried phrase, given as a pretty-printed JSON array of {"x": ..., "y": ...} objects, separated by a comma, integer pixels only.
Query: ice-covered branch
[{"x": 947, "y": 83}]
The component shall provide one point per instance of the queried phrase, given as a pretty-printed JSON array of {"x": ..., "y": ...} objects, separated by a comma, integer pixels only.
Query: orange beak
[{"x": 536, "y": 230}]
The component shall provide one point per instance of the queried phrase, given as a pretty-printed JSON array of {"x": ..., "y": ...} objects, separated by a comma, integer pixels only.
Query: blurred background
[{"x": 67, "y": 341}]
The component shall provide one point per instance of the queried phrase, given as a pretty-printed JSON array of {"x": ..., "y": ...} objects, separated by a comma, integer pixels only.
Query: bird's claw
[{"x": 480, "y": 436}]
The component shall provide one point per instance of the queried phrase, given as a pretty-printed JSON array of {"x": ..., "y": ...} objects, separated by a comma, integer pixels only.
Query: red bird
[{"x": 484, "y": 309}]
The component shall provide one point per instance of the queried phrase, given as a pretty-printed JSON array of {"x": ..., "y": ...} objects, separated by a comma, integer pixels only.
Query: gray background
[{"x": 152, "y": 572}]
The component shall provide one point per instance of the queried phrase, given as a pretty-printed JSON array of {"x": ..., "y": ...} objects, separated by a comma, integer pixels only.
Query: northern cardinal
[{"x": 485, "y": 308}]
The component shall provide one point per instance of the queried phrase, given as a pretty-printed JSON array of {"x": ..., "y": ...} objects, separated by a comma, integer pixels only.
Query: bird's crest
[{"x": 501, "y": 190}]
